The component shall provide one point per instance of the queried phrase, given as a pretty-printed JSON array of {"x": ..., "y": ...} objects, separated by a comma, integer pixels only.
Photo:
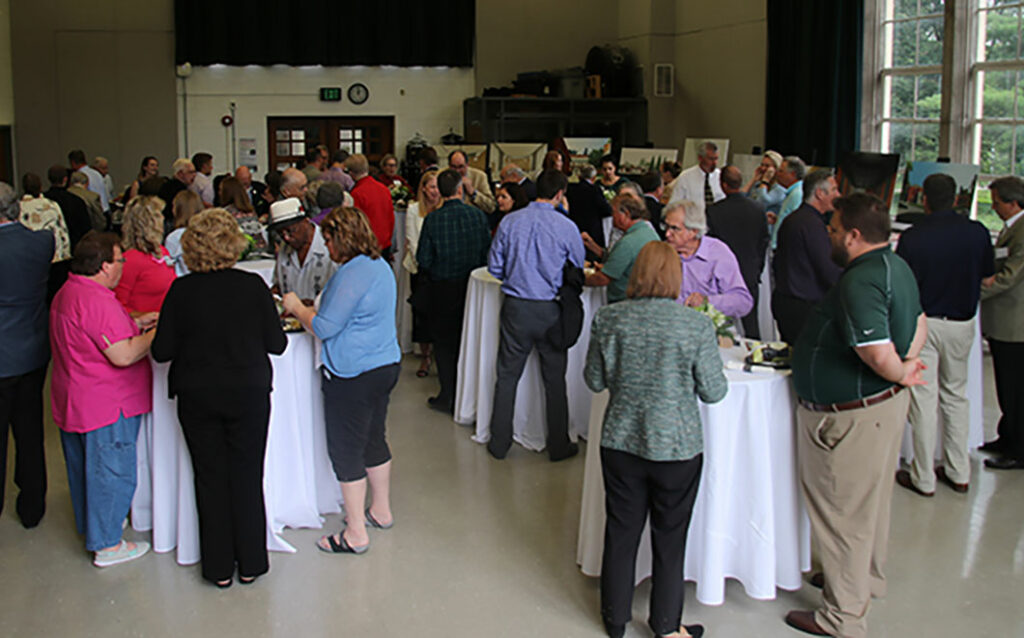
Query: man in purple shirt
[
  {"x": 710, "y": 270},
  {"x": 528, "y": 254}
]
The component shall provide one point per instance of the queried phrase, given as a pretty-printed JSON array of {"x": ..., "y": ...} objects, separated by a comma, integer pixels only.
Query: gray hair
[
  {"x": 1009, "y": 189},
  {"x": 180, "y": 164},
  {"x": 513, "y": 170},
  {"x": 588, "y": 171},
  {"x": 632, "y": 186},
  {"x": 10, "y": 209},
  {"x": 693, "y": 215},
  {"x": 816, "y": 181},
  {"x": 99, "y": 160},
  {"x": 78, "y": 177},
  {"x": 705, "y": 146},
  {"x": 796, "y": 166}
]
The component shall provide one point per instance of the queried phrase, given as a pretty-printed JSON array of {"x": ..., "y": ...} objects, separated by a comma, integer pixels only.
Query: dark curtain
[
  {"x": 266, "y": 32},
  {"x": 814, "y": 78}
]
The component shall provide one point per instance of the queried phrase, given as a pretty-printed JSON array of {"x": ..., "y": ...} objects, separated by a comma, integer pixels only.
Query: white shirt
[
  {"x": 97, "y": 186},
  {"x": 413, "y": 226},
  {"x": 308, "y": 279},
  {"x": 690, "y": 186},
  {"x": 1013, "y": 220},
  {"x": 203, "y": 186}
]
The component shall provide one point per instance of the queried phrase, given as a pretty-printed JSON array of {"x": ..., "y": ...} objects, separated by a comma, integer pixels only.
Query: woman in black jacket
[{"x": 217, "y": 326}]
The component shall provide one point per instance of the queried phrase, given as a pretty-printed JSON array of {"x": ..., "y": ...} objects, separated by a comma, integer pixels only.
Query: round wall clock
[{"x": 358, "y": 93}]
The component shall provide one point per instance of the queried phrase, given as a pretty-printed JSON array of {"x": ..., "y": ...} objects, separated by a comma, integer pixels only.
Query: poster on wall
[
  {"x": 247, "y": 152},
  {"x": 637, "y": 161},
  {"x": 690, "y": 150},
  {"x": 873, "y": 173},
  {"x": 911, "y": 197},
  {"x": 583, "y": 150},
  {"x": 527, "y": 156}
]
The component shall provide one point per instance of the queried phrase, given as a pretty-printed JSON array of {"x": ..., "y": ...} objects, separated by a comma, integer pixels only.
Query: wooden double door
[{"x": 290, "y": 137}]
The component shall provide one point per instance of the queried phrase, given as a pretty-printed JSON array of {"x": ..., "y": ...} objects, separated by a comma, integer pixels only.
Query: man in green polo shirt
[
  {"x": 858, "y": 351},
  {"x": 630, "y": 216}
]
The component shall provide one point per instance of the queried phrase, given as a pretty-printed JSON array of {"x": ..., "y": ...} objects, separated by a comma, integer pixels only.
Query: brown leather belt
[{"x": 852, "y": 405}]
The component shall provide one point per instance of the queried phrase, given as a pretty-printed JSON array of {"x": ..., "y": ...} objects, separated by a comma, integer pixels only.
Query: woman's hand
[
  {"x": 292, "y": 303},
  {"x": 146, "y": 320}
]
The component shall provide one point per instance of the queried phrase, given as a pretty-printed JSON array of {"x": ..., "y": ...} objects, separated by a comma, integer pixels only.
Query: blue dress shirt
[{"x": 530, "y": 249}]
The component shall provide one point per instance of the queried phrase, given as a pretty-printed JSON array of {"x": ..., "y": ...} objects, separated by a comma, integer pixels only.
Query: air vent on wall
[{"x": 664, "y": 80}]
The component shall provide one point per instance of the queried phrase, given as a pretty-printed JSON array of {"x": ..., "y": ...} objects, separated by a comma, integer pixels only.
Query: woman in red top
[{"x": 148, "y": 273}]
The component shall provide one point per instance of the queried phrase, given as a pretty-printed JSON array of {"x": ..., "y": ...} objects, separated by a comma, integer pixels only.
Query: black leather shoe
[
  {"x": 903, "y": 480},
  {"x": 570, "y": 452},
  {"x": 940, "y": 473},
  {"x": 805, "y": 622},
  {"x": 995, "y": 446},
  {"x": 817, "y": 579},
  {"x": 441, "y": 405},
  {"x": 613, "y": 630},
  {"x": 1004, "y": 463}
]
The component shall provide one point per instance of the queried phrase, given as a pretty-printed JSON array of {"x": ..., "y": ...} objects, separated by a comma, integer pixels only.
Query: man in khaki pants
[
  {"x": 851, "y": 363},
  {"x": 949, "y": 254}
]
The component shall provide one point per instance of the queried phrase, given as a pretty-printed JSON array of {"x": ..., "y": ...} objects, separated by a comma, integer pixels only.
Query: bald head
[
  {"x": 243, "y": 175},
  {"x": 732, "y": 180},
  {"x": 293, "y": 183}
]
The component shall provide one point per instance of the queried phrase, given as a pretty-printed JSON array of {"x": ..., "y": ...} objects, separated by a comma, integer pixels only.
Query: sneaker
[{"x": 121, "y": 554}]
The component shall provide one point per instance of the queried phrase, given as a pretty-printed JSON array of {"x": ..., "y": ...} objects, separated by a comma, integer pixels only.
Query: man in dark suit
[
  {"x": 254, "y": 190},
  {"x": 76, "y": 215},
  {"x": 24, "y": 354},
  {"x": 513, "y": 173},
  {"x": 650, "y": 182},
  {"x": 588, "y": 208},
  {"x": 740, "y": 222}
]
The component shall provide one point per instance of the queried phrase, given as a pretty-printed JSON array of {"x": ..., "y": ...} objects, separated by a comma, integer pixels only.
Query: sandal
[
  {"x": 424, "y": 367},
  {"x": 372, "y": 522},
  {"x": 341, "y": 546},
  {"x": 247, "y": 580}
]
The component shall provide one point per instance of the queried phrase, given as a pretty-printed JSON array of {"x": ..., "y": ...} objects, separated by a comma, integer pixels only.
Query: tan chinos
[
  {"x": 944, "y": 355},
  {"x": 847, "y": 461}
]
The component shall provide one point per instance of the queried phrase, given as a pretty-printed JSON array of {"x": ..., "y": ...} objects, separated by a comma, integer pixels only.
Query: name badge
[{"x": 1002, "y": 252}]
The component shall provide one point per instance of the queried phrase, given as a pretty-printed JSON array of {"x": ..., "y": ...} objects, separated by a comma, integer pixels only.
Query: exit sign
[{"x": 330, "y": 94}]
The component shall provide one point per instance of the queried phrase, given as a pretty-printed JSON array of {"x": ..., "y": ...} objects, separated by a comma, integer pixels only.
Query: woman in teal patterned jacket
[{"x": 656, "y": 358}]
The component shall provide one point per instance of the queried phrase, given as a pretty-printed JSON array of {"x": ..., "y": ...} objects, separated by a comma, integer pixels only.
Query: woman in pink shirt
[
  {"x": 148, "y": 272},
  {"x": 101, "y": 387}
]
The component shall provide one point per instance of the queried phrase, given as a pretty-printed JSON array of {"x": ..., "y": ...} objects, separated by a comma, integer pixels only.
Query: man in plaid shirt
[{"x": 454, "y": 241}]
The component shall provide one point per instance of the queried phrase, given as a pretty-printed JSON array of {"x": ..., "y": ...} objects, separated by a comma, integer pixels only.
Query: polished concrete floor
[{"x": 487, "y": 548}]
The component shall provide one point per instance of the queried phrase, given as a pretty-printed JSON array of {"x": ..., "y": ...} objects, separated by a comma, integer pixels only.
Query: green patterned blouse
[{"x": 656, "y": 358}]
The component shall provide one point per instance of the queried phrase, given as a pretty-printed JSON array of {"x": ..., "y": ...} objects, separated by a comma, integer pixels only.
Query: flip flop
[
  {"x": 372, "y": 522},
  {"x": 341, "y": 547}
]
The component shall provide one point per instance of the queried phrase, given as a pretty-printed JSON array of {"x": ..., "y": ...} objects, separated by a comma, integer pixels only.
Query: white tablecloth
[
  {"x": 298, "y": 485},
  {"x": 403, "y": 311},
  {"x": 262, "y": 267},
  {"x": 749, "y": 521},
  {"x": 474, "y": 392}
]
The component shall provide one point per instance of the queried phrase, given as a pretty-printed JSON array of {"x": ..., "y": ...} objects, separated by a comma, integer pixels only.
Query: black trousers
[
  {"x": 1008, "y": 366},
  {"x": 633, "y": 488},
  {"x": 420, "y": 315},
  {"x": 751, "y": 329},
  {"x": 21, "y": 410},
  {"x": 226, "y": 432},
  {"x": 524, "y": 326},
  {"x": 355, "y": 413},
  {"x": 791, "y": 313},
  {"x": 447, "y": 305}
]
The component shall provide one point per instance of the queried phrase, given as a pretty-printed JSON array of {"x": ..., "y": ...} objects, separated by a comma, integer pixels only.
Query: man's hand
[
  {"x": 695, "y": 300},
  {"x": 771, "y": 217},
  {"x": 292, "y": 303},
  {"x": 759, "y": 173},
  {"x": 146, "y": 320},
  {"x": 590, "y": 244},
  {"x": 467, "y": 186},
  {"x": 912, "y": 369},
  {"x": 988, "y": 281}
]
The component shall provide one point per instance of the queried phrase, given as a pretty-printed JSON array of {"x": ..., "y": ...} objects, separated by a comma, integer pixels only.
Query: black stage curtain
[
  {"x": 814, "y": 78},
  {"x": 266, "y": 32}
]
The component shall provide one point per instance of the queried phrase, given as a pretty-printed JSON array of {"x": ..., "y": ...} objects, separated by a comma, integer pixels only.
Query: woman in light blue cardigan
[{"x": 656, "y": 358}]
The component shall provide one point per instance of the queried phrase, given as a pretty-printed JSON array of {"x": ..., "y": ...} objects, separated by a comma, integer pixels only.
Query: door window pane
[
  {"x": 298, "y": 134},
  {"x": 282, "y": 148},
  {"x": 281, "y": 134}
]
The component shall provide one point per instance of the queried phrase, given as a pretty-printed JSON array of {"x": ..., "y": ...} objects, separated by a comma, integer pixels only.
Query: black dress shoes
[
  {"x": 805, "y": 622},
  {"x": 940, "y": 473},
  {"x": 1004, "y": 463},
  {"x": 817, "y": 579},
  {"x": 995, "y": 446},
  {"x": 570, "y": 452},
  {"x": 441, "y": 405},
  {"x": 903, "y": 480}
]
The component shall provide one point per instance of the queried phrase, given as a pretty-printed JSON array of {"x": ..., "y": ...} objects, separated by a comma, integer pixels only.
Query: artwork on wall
[
  {"x": 527, "y": 156},
  {"x": 584, "y": 150},
  {"x": 690, "y": 150},
  {"x": 637, "y": 161},
  {"x": 911, "y": 196},
  {"x": 873, "y": 173}
]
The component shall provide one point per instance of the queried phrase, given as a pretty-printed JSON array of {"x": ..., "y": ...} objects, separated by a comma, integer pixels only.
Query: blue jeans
[{"x": 101, "y": 479}]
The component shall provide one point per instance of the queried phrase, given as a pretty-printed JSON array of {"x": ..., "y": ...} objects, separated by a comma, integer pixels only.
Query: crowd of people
[{"x": 105, "y": 283}]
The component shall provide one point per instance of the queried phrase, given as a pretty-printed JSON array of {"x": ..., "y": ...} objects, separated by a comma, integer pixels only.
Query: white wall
[
  {"x": 423, "y": 100},
  {"x": 6, "y": 84}
]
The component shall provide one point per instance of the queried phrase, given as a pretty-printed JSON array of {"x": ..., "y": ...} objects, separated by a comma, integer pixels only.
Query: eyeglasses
[{"x": 669, "y": 228}]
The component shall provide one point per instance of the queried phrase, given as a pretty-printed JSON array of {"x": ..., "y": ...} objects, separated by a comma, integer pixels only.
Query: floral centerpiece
[
  {"x": 250, "y": 245},
  {"x": 400, "y": 195},
  {"x": 723, "y": 324}
]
